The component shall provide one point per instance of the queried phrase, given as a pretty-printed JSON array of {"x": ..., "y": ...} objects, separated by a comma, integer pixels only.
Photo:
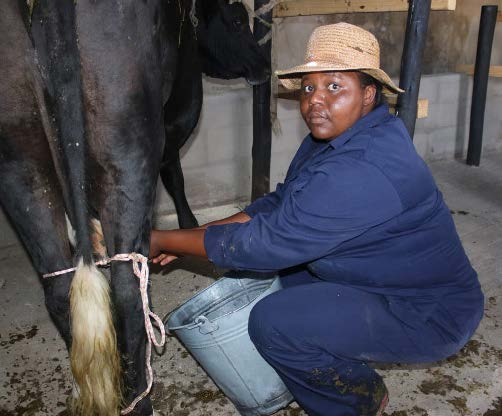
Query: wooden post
[
  {"x": 411, "y": 62},
  {"x": 262, "y": 128},
  {"x": 480, "y": 83}
]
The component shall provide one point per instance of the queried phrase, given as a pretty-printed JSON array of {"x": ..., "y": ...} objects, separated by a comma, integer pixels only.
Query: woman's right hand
[
  {"x": 156, "y": 254},
  {"x": 163, "y": 259}
]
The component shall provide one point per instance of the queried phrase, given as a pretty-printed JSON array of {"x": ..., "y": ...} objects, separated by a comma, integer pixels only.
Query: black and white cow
[{"x": 92, "y": 94}]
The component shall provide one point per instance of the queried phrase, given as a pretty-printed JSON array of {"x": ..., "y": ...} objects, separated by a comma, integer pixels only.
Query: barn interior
[{"x": 34, "y": 372}]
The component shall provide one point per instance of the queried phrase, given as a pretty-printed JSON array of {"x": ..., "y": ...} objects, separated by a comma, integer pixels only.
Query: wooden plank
[
  {"x": 311, "y": 7},
  {"x": 495, "y": 70},
  {"x": 422, "y": 108},
  {"x": 499, "y": 17},
  {"x": 422, "y": 111}
]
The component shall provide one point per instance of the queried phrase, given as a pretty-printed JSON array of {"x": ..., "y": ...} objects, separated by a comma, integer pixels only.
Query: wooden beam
[
  {"x": 499, "y": 17},
  {"x": 310, "y": 7},
  {"x": 422, "y": 111},
  {"x": 422, "y": 107},
  {"x": 495, "y": 70}
]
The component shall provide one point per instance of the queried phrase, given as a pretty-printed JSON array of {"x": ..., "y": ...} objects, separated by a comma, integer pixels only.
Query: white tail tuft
[{"x": 95, "y": 360}]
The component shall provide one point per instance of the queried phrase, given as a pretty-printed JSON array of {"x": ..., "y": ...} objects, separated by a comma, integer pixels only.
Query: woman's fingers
[
  {"x": 164, "y": 259},
  {"x": 168, "y": 259},
  {"x": 159, "y": 258}
]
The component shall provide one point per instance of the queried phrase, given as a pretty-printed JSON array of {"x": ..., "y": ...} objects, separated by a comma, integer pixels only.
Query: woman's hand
[
  {"x": 156, "y": 254},
  {"x": 163, "y": 259}
]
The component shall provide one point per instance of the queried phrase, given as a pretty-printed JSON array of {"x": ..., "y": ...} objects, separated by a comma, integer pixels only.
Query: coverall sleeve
[
  {"x": 337, "y": 202},
  {"x": 266, "y": 203}
]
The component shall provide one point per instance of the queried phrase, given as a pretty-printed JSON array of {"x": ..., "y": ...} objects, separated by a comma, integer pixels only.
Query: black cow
[{"x": 89, "y": 93}]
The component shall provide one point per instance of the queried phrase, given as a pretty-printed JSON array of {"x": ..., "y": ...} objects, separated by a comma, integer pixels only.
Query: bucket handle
[{"x": 205, "y": 325}]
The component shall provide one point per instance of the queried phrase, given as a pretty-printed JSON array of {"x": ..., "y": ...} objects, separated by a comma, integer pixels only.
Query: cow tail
[
  {"x": 95, "y": 360},
  {"x": 94, "y": 354}
]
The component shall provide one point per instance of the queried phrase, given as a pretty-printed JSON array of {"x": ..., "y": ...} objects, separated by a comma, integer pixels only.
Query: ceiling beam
[{"x": 312, "y": 7}]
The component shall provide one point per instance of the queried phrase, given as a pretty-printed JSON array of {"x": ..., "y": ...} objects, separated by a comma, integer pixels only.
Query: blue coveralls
[{"x": 380, "y": 272}]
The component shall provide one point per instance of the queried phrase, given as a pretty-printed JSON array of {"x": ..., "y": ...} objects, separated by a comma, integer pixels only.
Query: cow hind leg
[
  {"x": 57, "y": 302},
  {"x": 41, "y": 227},
  {"x": 31, "y": 196},
  {"x": 126, "y": 233},
  {"x": 132, "y": 340}
]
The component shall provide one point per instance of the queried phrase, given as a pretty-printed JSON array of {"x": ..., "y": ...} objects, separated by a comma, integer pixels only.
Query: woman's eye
[
  {"x": 307, "y": 88},
  {"x": 333, "y": 87}
]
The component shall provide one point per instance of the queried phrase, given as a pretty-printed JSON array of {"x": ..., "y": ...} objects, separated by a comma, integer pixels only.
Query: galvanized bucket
[{"x": 213, "y": 326}]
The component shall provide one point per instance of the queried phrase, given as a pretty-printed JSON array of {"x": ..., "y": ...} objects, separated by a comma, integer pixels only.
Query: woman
[{"x": 373, "y": 267}]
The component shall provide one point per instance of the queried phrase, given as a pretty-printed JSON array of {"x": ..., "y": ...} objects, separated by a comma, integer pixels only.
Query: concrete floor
[{"x": 34, "y": 373}]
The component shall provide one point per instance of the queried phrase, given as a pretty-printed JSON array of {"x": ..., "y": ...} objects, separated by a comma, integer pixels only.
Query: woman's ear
[{"x": 369, "y": 94}]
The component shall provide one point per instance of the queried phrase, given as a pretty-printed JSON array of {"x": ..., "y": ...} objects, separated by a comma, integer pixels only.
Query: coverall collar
[{"x": 373, "y": 118}]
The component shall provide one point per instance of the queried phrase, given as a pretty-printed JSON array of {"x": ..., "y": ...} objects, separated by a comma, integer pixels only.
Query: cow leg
[
  {"x": 30, "y": 195},
  {"x": 181, "y": 114},
  {"x": 172, "y": 178},
  {"x": 29, "y": 190},
  {"x": 38, "y": 216},
  {"x": 126, "y": 232}
]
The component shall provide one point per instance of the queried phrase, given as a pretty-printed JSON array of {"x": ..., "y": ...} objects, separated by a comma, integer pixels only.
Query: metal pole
[
  {"x": 480, "y": 83},
  {"x": 262, "y": 127},
  {"x": 411, "y": 62}
]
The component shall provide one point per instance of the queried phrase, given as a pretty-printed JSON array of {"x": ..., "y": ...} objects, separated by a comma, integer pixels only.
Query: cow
[{"x": 91, "y": 93}]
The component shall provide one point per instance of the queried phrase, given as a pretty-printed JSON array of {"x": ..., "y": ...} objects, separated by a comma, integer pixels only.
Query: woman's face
[{"x": 331, "y": 102}]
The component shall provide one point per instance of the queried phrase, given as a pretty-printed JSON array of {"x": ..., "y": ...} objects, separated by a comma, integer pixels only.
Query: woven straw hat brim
[{"x": 292, "y": 78}]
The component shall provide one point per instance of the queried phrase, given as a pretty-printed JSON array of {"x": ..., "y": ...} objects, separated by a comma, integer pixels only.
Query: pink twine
[{"x": 142, "y": 274}]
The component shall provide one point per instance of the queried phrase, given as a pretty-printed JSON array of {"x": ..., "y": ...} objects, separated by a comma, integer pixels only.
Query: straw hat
[{"x": 339, "y": 47}]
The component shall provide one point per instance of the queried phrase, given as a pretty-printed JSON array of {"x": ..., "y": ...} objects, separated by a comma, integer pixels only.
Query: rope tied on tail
[{"x": 141, "y": 271}]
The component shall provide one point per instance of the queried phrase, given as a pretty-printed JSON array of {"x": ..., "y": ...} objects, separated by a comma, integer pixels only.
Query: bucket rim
[{"x": 193, "y": 324}]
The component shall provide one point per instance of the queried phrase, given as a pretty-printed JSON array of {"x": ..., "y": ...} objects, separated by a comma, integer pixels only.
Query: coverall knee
[{"x": 320, "y": 336}]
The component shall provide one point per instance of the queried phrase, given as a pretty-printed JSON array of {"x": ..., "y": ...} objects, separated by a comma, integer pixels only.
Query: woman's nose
[{"x": 317, "y": 97}]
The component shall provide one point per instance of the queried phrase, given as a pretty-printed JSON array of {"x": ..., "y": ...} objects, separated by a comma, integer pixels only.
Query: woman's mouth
[{"x": 317, "y": 118}]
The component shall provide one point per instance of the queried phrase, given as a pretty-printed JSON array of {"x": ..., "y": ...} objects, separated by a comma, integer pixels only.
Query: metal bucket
[{"x": 213, "y": 326}]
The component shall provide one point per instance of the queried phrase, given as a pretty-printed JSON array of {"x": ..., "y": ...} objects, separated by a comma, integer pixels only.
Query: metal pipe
[
  {"x": 262, "y": 127},
  {"x": 480, "y": 83},
  {"x": 411, "y": 62}
]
